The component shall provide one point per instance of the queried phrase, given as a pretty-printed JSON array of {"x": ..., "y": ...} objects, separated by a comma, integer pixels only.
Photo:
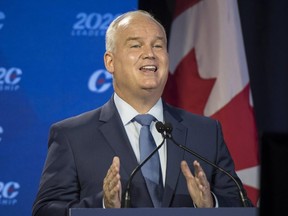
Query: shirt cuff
[{"x": 216, "y": 205}]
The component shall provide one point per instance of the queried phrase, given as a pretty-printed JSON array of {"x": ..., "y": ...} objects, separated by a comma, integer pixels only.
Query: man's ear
[{"x": 109, "y": 61}]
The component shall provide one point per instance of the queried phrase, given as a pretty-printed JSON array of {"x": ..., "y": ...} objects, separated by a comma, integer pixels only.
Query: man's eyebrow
[
  {"x": 132, "y": 39},
  {"x": 139, "y": 38}
]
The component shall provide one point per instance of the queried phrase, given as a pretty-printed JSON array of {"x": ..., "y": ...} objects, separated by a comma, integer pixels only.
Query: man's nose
[{"x": 148, "y": 52}]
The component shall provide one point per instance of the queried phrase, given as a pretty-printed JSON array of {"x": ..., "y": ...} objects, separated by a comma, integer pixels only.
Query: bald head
[{"x": 123, "y": 21}]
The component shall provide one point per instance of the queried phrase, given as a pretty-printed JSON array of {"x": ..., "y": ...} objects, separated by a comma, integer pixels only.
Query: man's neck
[{"x": 140, "y": 104}]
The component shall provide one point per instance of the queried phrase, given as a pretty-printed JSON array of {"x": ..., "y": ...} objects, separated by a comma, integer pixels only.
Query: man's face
[{"x": 139, "y": 62}]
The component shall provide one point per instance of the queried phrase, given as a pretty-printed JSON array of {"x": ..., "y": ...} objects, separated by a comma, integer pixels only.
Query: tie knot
[{"x": 144, "y": 119}]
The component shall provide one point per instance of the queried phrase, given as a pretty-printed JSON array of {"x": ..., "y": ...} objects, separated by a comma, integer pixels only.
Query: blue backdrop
[{"x": 51, "y": 67}]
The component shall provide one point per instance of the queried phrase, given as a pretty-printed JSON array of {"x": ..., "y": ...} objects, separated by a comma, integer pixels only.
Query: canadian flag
[{"x": 209, "y": 76}]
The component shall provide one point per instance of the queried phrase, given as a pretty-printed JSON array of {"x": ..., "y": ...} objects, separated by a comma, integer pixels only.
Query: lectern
[{"x": 164, "y": 212}]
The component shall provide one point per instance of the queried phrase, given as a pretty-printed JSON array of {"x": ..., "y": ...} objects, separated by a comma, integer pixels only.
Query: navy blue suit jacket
[{"x": 81, "y": 150}]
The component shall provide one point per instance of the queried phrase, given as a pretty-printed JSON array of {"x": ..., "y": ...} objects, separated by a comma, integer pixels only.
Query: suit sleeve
[
  {"x": 224, "y": 187},
  {"x": 59, "y": 187}
]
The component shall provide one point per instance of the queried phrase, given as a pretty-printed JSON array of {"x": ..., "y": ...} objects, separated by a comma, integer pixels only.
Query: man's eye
[
  {"x": 158, "y": 46},
  {"x": 135, "y": 46}
]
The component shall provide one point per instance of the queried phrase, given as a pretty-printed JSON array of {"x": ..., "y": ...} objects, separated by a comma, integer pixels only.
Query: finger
[
  {"x": 197, "y": 167},
  {"x": 200, "y": 177},
  {"x": 115, "y": 163},
  {"x": 199, "y": 172},
  {"x": 186, "y": 170}
]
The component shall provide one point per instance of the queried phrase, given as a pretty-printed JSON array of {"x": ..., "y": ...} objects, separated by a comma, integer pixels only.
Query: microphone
[
  {"x": 166, "y": 131},
  {"x": 127, "y": 196}
]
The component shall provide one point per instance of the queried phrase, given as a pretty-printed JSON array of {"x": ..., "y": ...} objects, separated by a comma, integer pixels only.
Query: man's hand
[
  {"x": 198, "y": 185},
  {"x": 112, "y": 185}
]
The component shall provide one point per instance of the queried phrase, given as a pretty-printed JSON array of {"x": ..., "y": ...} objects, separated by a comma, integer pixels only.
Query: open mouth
[{"x": 151, "y": 68}]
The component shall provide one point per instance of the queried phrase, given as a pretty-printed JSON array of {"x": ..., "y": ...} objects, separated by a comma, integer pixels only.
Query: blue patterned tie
[{"x": 151, "y": 170}]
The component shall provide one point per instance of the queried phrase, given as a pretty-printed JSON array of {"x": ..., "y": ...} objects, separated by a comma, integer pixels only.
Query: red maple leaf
[{"x": 185, "y": 84}]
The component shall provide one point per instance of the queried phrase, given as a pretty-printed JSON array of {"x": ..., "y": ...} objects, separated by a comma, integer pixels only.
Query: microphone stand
[
  {"x": 215, "y": 166},
  {"x": 127, "y": 196}
]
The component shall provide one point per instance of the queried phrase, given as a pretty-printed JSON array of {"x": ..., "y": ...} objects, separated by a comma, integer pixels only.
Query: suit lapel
[
  {"x": 174, "y": 155},
  {"x": 115, "y": 134}
]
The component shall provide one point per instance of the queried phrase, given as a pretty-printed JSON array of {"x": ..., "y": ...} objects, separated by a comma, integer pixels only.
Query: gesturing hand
[
  {"x": 112, "y": 185},
  {"x": 198, "y": 185}
]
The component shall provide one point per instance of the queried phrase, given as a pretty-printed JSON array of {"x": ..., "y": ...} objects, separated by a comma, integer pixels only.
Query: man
[{"x": 78, "y": 171}]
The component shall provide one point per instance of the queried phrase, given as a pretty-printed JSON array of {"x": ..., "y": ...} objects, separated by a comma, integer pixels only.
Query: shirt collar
[{"x": 127, "y": 112}]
